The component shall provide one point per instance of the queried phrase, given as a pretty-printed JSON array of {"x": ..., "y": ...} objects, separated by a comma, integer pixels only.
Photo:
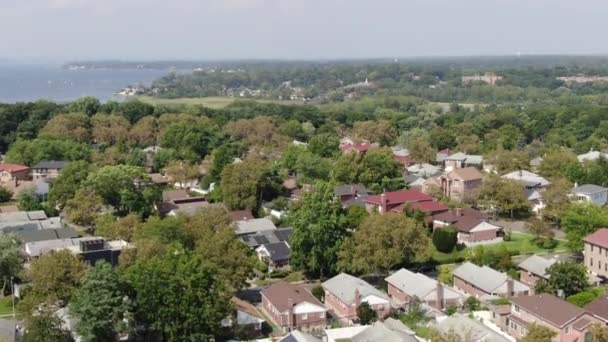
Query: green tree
[
  {"x": 64, "y": 187},
  {"x": 180, "y": 172},
  {"x": 222, "y": 156},
  {"x": 569, "y": 277},
  {"x": 87, "y": 105},
  {"x": 372, "y": 170},
  {"x": 422, "y": 151},
  {"x": 503, "y": 195},
  {"x": 10, "y": 259},
  {"x": 380, "y": 131},
  {"x": 246, "y": 184},
  {"x": 366, "y": 314},
  {"x": 556, "y": 163},
  {"x": 189, "y": 139},
  {"x": 505, "y": 161},
  {"x": 100, "y": 305},
  {"x": 471, "y": 304},
  {"x": 180, "y": 297},
  {"x": 580, "y": 220},
  {"x": 75, "y": 126},
  {"x": 445, "y": 275},
  {"x": 581, "y": 299},
  {"x": 445, "y": 239},
  {"x": 123, "y": 228},
  {"x": 556, "y": 198},
  {"x": 509, "y": 137},
  {"x": 539, "y": 333},
  {"x": 326, "y": 145},
  {"x": 468, "y": 143},
  {"x": 5, "y": 194},
  {"x": 84, "y": 207},
  {"x": 540, "y": 229},
  {"x": 599, "y": 332},
  {"x": 46, "y": 327},
  {"x": 382, "y": 242},
  {"x": 317, "y": 232},
  {"x": 30, "y": 152},
  {"x": 29, "y": 201},
  {"x": 54, "y": 279}
]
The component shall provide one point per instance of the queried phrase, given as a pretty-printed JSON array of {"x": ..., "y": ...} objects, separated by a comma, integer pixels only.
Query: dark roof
[
  {"x": 45, "y": 234},
  {"x": 549, "y": 308},
  {"x": 599, "y": 238},
  {"x": 279, "y": 251},
  {"x": 171, "y": 195},
  {"x": 279, "y": 295},
  {"x": 51, "y": 164},
  {"x": 350, "y": 189},
  {"x": 454, "y": 216},
  {"x": 599, "y": 307},
  {"x": 427, "y": 207},
  {"x": 268, "y": 236}
]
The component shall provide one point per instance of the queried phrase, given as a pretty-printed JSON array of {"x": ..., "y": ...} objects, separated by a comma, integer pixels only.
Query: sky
[{"x": 298, "y": 29}]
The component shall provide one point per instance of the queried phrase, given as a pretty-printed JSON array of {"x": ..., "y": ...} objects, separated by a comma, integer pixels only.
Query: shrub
[
  {"x": 366, "y": 314},
  {"x": 294, "y": 277},
  {"x": 451, "y": 309},
  {"x": 318, "y": 292},
  {"x": 445, "y": 239},
  {"x": 5, "y": 194},
  {"x": 472, "y": 304}
]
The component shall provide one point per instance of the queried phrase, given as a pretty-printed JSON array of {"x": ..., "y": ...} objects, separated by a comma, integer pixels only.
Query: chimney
[
  {"x": 290, "y": 322},
  {"x": 458, "y": 212},
  {"x": 520, "y": 173},
  {"x": 576, "y": 184},
  {"x": 509, "y": 287},
  {"x": 439, "y": 305},
  {"x": 357, "y": 298},
  {"x": 383, "y": 203}
]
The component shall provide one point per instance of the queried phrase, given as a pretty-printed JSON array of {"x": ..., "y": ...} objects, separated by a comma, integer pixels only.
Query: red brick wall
[
  {"x": 342, "y": 311},
  {"x": 528, "y": 278},
  {"x": 300, "y": 321},
  {"x": 398, "y": 295},
  {"x": 467, "y": 288}
]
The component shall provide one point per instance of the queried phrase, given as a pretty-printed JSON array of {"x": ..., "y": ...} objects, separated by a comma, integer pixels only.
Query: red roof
[
  {"x": 428, "y": 207},
  {"x": 405, "y": 160},
  {"x": 399, "y": 197},
  {"x": 363, "y": 147},
  {"x": 13, "y": 167},
  {"x": 599, "y": 238}
]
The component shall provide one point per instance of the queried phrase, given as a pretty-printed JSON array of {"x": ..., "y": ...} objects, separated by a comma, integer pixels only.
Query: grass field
[
  {"x": 519, "y": 244},
  {"x": 211, "y": 102},
  {"x": 6, "y": 306}
]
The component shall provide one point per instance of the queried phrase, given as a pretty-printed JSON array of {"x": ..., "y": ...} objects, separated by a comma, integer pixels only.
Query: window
[
  {"x": 567, "y": 330},
  {"x": 590, "y": 261},
  {"x": 322, "y": 315},
  {"x": 516, "y": 308},
  {"x": 599, "y": 265},
  {"x": 591, "y": 248},
  {"x": 304, "y": 316}
]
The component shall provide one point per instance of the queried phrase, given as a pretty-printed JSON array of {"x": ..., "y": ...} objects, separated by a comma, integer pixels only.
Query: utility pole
[{"x": 13, "y": 294}]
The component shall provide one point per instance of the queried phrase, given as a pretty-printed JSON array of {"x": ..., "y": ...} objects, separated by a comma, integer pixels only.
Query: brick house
[
  {"x": 599, "y": 308},
  {"x": 458, "y": 184},
  {"x": 471, "y": 224},
  {"x": 534, "y": 269},
  {"x": 13, "y": 173},
  {"x": 569, "y": 322},
  {"x": 404, "y": 285},
  {"x": 345, "y": 293},
  {"x": 387, "y": 201},
  {"x": 595, "y": 252},
  {"x": 293, "y": 307},
  {"x": 482, "y": 282}
]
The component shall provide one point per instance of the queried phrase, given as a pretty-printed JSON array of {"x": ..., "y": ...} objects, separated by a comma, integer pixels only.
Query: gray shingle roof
[
  {"x": 51, "y": 164},
  {"x": 344, "y": 285},
  {"x": 279, "y": 251},
  {"x": 486, "y": 278},
  {"x": 588, "y": 189},
  {"x": 469, "y": 329},
  {"x": 269, "y": 236},
  {"x": 419, "y": 285},
  {"x": 537, "y": 265},
  {"x": 254, "y": 226}
]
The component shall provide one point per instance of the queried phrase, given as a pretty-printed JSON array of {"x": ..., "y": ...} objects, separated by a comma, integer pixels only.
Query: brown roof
[
  {"x": 502, "y": 310},
  {"x": 582, "y": 323},
  {"x": 13, "y": 167},
  {"x": 599, "y": 238},
  {"x": 279, "y": 294},
  {"x": 246, "y": 307},
  {"x": 455, "y": 215},
  {"x": 241, "y": 215},
  {"x": 171, "y": 195},
  {"x": 465, "y": 173},
  {"x": 599, "y": 307},
  {"x": 549, "y": 308}
]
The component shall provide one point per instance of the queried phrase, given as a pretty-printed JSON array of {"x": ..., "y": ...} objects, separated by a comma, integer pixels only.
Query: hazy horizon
[{"x": 211, "y": 30}]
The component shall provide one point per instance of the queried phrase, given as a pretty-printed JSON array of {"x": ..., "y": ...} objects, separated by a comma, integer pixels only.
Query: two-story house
[
  {"x": 13, "y": 173},
  {"x": 595, "y": 252},
  {"x": 345, "y": 293},
  {"x": 569, "y": 322},
  {"x": 458, "y": 184},
  {"x": 47, "y": 169},
  {"x": 472, "y": 225},
  {"x": 404, "y": 286},
  {"x": 485, "y": 282},
  {"x": 533, "y": 269},
  {"x": 293, "y": 307}
]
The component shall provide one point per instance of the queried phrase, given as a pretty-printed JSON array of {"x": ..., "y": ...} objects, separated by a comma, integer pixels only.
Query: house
[
  {"x": 385, "y": 202},
  {"x": 414, "y": 182},
  {"x": 486, "y": 283},
  {"x": 351, "y": 195},
  {"x": 358, "y": 148},
  {"x": 467, "y": 329},
  {"x": 534, "y": 184},
  {"x": 258, "y": 225},
  {"x": 591, "y": 156},
  {"x": 405, "y": 285},
  {"x": 246, "y": 318},
  {"x": 590, "y": 193},
  {"x": 441, "y": 155},
  {"x": 458, "y": 184},
  {"x": 405, "y": 161},
  {"x": 268, "y": 236},
  {"x": 472, "y": 226},
  {"x": 595, "y": 252},
  {"x": 569, "y": 322},
  {"x": 292, "y": 306},
  {"x": 298, "y": 336},
  {"x": 275, "y": 254},
  {"x": 599, "y": 308},
  {"x": 489, "y": 78},
  {"x": 344, "y": 293},
  {"x": 13, "y": 173},
  {"x": 241, "y": 215},
  {"x": 460, "y": 160},
  {"x": 533, "y": 269},
  {"x": 391, "y": 330},
  {"x": 30, "y": 226},
  {"x": 180, "y": 202},
  {"x": 90, "y": 249},
  {"x": 48, "y": 169},
  {"x": 423, "y": 170},
  {"x": 428, "y": 208}
]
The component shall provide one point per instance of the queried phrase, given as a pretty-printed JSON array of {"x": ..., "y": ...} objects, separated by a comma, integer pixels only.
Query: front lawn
[
  {"x": 519, "y": 244},
  {"x": 6, "y": 306}
]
